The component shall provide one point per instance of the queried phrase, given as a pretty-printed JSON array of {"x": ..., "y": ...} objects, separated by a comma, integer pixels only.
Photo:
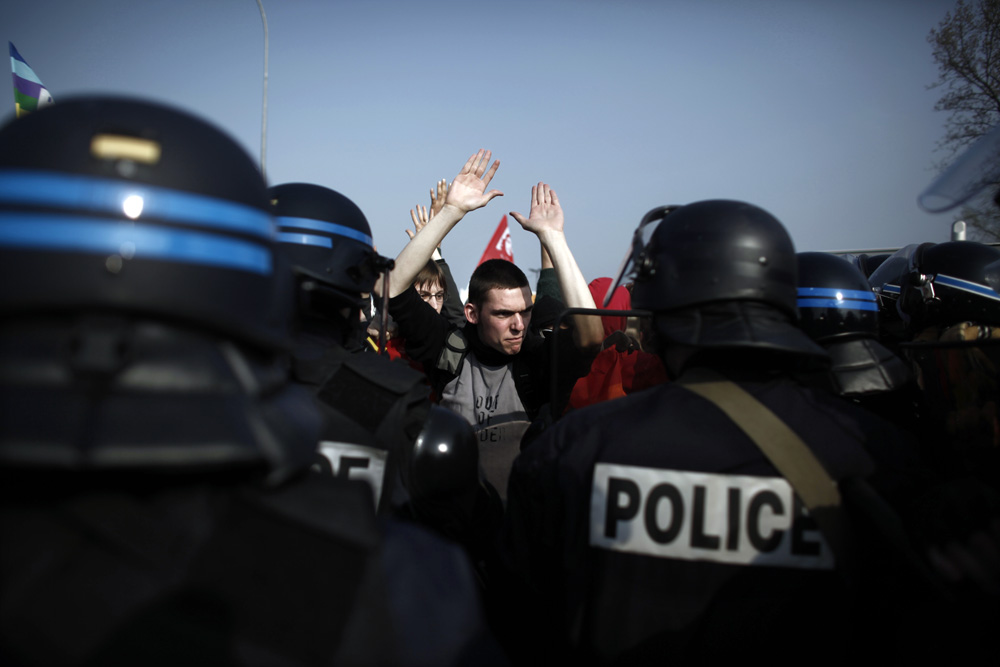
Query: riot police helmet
[
  {"x": 327, "y": 239},
  {"x": 835, "y": 300},
  {"x": 940, "y": 285},
  {"x": 141, "y": 281},
  {"x": 867, "y": 264},
  {"x": 113, "y": 204},
  {"x": 718, "y": 273},
  {"x": 885, "y": 282},
  {"x": 445, "y": 460},
  {"x": 840, "y": 312}
]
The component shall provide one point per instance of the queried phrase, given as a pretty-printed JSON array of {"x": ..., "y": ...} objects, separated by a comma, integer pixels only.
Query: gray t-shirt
[{"x": 485, "y": 395}]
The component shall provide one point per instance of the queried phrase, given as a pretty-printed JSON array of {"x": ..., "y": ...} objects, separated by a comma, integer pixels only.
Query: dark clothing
[
  {"x": 548, "y": 285},
  {"x": 427, "y": 333},
  {"x": 373, "y": 411},
  {"x": 652, "y": 528},
  {"x": 157, "y": 507},
  {"x": 147, "y": 569}
]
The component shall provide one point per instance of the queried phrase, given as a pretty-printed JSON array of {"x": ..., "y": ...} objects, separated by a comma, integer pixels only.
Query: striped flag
[{"x": 29, "y": 93}]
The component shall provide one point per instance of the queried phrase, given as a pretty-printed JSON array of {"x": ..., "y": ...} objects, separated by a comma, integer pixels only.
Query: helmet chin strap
[
  {"x": 383, "y": 265},
  {"x": 384, "y": 315}
]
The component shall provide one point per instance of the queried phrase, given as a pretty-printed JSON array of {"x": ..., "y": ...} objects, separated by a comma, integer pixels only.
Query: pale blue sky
[{"x": 816, "y": 111}]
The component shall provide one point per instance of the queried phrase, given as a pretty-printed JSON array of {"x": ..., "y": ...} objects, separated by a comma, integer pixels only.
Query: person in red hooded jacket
[{"x": 621, "y": 367}]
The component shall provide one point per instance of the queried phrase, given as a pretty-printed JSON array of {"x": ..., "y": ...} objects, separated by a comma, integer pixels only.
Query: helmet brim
[{"x": 736, "y": 324}]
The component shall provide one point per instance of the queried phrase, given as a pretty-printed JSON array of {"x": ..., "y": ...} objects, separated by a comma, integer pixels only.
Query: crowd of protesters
[{"x": 232, "y": 433}]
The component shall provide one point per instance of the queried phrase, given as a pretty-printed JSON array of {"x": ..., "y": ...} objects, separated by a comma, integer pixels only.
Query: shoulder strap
[
  {"x": 456, "y": 347},
  {"x": 524, "y": 379},
  {"x": 784, "y": 449},
  {"x": 796, "y": 462}
]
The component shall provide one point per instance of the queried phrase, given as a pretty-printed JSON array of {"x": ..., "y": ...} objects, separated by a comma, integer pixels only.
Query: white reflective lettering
[
  {"x": 357, "y": 462},
  {"x": 738, "y": 519}
]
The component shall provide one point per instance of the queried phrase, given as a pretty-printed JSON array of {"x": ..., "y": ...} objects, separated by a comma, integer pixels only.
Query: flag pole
[{"x": 263, "y": 122}]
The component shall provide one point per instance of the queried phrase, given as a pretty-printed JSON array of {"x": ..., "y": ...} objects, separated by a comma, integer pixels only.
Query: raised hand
[
  {"x": 468, "y": 190},
  {"x": 437, "y": 202},
  {"x": 545, "y": 215},
  {"x": 419, "y": 218}
]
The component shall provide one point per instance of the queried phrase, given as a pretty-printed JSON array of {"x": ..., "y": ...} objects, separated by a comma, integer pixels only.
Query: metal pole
[{"x": 263, "y": 122}]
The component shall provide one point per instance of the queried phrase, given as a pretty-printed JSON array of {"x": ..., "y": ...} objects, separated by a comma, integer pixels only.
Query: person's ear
[{"x": 472, "y": 313}]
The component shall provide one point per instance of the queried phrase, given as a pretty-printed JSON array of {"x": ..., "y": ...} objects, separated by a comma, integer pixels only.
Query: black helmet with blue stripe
[
  {"x": 327, "y": 238},
  {"x": 143, "y": 302},
  {"x": 834, "y": 299},
  {"x": 838, "y": 309},
  {"x": 111, "y": 205},
  {"x": 941, "y": 284}
]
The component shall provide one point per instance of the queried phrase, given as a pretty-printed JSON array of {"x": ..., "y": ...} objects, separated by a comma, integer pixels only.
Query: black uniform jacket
[
  {"x": 652, "y": 528},
  {"x": 162, "y": 569}
]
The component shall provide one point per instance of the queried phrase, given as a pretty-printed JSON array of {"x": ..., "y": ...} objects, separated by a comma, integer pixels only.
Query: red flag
[{"x": 499, "y": 246}]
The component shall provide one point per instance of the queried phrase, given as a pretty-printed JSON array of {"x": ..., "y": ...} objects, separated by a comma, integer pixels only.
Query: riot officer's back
[{"x": 157, "y": 500}]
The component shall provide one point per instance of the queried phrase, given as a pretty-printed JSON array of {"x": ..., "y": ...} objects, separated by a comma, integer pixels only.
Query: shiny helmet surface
[
  {"x": 326, "y": 237},
  {"x": 717, "y": 273}
]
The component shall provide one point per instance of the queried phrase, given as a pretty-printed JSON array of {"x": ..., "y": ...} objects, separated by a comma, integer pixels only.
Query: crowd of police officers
[{"x": 199, "y": 464}]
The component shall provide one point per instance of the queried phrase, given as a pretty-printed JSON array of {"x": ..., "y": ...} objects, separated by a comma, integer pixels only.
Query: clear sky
[{"x": 815, "y": 110}]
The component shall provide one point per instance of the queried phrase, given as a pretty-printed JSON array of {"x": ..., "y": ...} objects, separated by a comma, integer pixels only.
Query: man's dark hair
[{"x": 494, "y": 274}]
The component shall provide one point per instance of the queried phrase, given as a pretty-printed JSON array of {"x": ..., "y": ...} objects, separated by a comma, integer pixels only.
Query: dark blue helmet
[
  {"x": 327, "y": 238},
  {"x": 839, "y": 311},
  {"x": 118, "y": 205},
  {"x": 142, "y": 297},
  {"x": 835, "y": 301},
  {"x": 939, "y": 285},
  {"x": 718, "y": 273}
]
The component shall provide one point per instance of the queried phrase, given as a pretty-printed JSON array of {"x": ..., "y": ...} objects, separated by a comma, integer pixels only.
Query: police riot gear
[
  {"x": 326, "y": 237},
  {"x": 835, "y": 300},
  {"x": 638, "y": 524},
  {"x": 939, "y": 285},
  {"x": 373, "y": 410},
  {"x": 719, "y": 273},
  {"x": 138, "y": 247},
  {"x": 445, "y": 457},
  {"x": 839, "y": 310},
  {"x": 125, "y": 206},
  {"x": 156, "y": 502}
]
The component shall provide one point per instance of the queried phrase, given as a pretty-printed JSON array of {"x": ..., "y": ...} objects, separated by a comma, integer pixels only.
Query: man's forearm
[
  {"x": 587, "y": 332},
  {"x": 467, "y": 193}
]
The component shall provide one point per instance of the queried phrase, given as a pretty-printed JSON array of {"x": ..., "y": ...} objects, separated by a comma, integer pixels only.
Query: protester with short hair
[{"x": 491, "y": 371}]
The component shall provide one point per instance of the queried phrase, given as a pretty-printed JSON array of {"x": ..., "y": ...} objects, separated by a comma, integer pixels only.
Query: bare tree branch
[{"x": 966, "y": 48}]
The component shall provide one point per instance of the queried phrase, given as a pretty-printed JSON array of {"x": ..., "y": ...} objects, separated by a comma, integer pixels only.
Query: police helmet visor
[
  {"x": 888, "y": 277},
  {"x": 636, "y": 252},
  {"x": 975, "y": 170}
]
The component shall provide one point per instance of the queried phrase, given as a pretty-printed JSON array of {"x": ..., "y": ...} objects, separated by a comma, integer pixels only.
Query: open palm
[
  {"x": 468, "y": 190},
  {"x": 545, "y": 213}
]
